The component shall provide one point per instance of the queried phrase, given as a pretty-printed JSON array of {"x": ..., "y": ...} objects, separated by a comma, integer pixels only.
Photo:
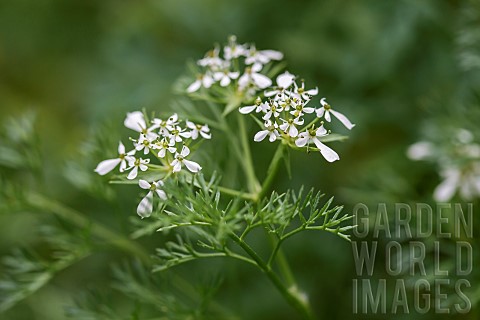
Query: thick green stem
[{"x": 291, "y": 294}]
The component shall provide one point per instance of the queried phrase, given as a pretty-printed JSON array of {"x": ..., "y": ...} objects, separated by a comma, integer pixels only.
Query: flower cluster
[
  {"x": 458, "y": 162},
  {"x": 240, "y": 65},
  {"x": 284, "y": 110},
  {"x": 164, "y": 140}
]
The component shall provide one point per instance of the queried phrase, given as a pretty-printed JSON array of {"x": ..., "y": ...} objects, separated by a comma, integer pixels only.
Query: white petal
[
  {"x": 302, "y": 139},
  {"x": 186, "y": 135},
  {"x": 270, "y": 93},
  {"x": 207, "y": 81},
  {"x": 343, "y": 119},
  {"x": 309, "y": 110},
  {"x": 194, "y": 86},
  {"x": 420, "y": 150},
  {"x": 329, "y": 154},
  {"x": 185, "y": 151},
  {"x": 225, "y": 81},
  {"x": 143, "y": 167},
  {"x": 293, "y": 132},
  {"x": 133, "y": 174},
  {"x": 123, "y": 165},
  {"x": 247, "y": 109},
  {"x": 445, "y": 190},
  {"x": 161, "y": 194},
  {"x": 272, "y": 136},
  {"x": 145, "y": 207},
  {"x": 177, "y": 166},
  {"x": 144, "y": 184},
  {"x": 135, "y": 121},
  {"x": 106, "y": 166},
  {"x": 161, "y": 153},
  {"x": 243, "y": 81},
  {"x": 272, "y": 54},
  {"x": 121, "y": 148},
  {"x": 233, "y": 75},
  {"x": 260, "y": 135},
  {"x": 327, "y": 116},
  {"x": 206, "y": 135},
  {"x": 256, "y": 67},
  {"x": 320, "y": 112},
  {"x": 284, "y": 126},
  {"x": 192, "y": 166},
  {"x": 261, "y": 80},
  {"x": 321, "y": 131},
  {"x": 218, "y": 76},
  {"x": 323, "y": 102},
  {"x": 285, "y": 80}
]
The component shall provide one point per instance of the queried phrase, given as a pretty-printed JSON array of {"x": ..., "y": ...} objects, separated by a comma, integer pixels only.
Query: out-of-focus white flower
[
  {"x": 420, "y": 150},
  {"x": 203, "y": 80},
  {"x": 197, "y": 129},
  {"x": 106, "y": 166},
  {"x": 145, "y": 207},
  {"x": 325, "y": 111},
  {"x": 253, "y": 76},
  {"x": 289, "y": 126},
  {"x": 312, "y": 135},
  {"x": 211, "y": 59},
  {"x": 271, "y": 130},
  {"x": 255, "y": 56},
  {"x": 225, "y": 77},
  {"x": 180, "y": 160},
  {"x": 234, "y": 50},
  {"x": 466, "y": 182},
  {"x": 134, "y": 165},
  {"x": 136, "y": 121}
]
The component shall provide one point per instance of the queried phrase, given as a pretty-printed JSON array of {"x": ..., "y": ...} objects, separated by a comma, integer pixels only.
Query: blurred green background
[{"x": 394, "y": 67}]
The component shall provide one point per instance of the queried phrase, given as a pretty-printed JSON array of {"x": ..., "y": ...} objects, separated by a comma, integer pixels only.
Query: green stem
[
  {"x": 271, "y": 172},
  {"x": 236, "y": 193},
  {"x": 283, "y": 265},
  {"x": 254, "y": 185},
  {"x": 291, "y": 294}
]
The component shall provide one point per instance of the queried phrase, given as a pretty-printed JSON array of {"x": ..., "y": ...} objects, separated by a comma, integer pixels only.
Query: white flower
[
  {"x": 467, "y": 182},
  {"x": 288, "y": 126},
  {"x": 106, "y": 166},
  {"x": 255, "y": 56},
  {"x": 144, "y": 143},
  {"x": 284, "y": 81},
  {"x": 273, "y": 109},
  {"x": 180, "y": 159},
  {"x": 165, "y": 126},
  {"x": 420, "y": 150},
  {"x": 136, "y": 121},
  {"x": 134, "y": 165},
  {"x": 234, "y": 50},
  {"x": 252, "y": 76},
  {"x": 271, "y": 131},
  {"x": 301, "y": 93},
  {"x": 203, "y": 130},
  {"x": 299, "y": 108},
  {"x": 325, "y": 111},
  {"x": 211, "y": 59},
  {"x": 225, "y": 77},
  {"x": 312, "y": 135},
  {"x": 259, "y": 106},
  {"x": 145, "y": 207},
  {"x": 178, "y": 134},
  {"x": 203, "y": 80},
  {"x": 163, "y": 146}
]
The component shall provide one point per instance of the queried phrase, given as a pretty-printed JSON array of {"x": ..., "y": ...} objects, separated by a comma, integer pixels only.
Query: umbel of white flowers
[
  {"x": 165, "y": 141},
  {"x": 240, "y": 65},
  {"x": 284, "y": 112}
]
